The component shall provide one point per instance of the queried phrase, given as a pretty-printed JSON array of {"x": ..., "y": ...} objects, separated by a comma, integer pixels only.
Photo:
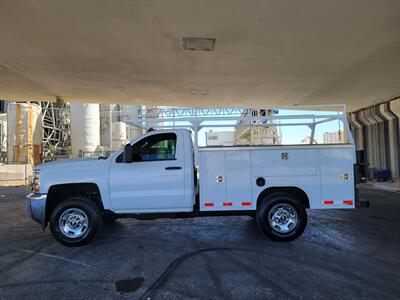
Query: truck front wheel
[
  {"x": 75, "y": 221},
  {"x": 281, "y": 216}
]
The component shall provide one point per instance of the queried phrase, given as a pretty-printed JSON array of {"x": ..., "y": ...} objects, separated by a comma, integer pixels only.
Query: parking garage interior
[{"x": 73, "y": 73}]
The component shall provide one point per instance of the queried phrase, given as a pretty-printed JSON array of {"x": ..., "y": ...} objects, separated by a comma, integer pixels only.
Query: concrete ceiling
[{"x": 266, "y": 52}]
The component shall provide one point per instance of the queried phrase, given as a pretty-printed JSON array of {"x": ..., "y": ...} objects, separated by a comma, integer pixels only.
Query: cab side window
[{"x": 154, "y": 148}]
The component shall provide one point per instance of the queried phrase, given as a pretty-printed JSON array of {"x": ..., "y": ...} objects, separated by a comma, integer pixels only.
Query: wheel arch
[
  {"x": 60, "y": 192},
  {"x": 295, "y": 191}
]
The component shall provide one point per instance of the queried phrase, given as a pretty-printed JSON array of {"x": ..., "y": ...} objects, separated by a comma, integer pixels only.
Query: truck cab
[{"x": 157, "y": 177}]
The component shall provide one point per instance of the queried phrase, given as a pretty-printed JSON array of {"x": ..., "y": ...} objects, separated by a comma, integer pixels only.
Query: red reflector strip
[
  {"x": 348, "y": 202},
  {"x": 208, "y": 204},
  {"x": 227, "y": 203},
  {"x": 246, "y": 203},
  {"x": 328, "y": 201}
]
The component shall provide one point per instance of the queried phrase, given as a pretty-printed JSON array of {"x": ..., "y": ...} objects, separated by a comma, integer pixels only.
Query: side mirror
[{"x": 127, "y": 157}]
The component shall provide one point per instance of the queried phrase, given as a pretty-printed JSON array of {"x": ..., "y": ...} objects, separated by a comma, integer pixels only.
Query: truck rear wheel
[
  {"x": 75, "y": 221},
  {"x": 282, "y": 217}
]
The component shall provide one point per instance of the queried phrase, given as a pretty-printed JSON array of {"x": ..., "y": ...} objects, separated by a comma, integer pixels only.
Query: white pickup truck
[{"x": 155, "y": 176}]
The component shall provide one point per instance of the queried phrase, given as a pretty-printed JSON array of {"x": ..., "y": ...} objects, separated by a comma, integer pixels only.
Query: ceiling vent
[
  {"x": 201, "y": 44},
  {"x": 199, "y": 92}
]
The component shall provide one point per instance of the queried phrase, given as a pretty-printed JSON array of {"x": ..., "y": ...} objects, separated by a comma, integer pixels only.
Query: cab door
[{"x": 154, "y": 181}]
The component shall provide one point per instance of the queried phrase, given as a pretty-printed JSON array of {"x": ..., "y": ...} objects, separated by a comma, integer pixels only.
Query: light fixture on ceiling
[
  {"x": 199, "y": 92},
  {"x": 200, "y": 44}
]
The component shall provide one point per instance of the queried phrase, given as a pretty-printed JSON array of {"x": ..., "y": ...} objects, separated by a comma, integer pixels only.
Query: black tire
[
  {"x": 274, "y": 202},
  {"x": 86, "y": 206},
  {"x": 109, "y": 219}
]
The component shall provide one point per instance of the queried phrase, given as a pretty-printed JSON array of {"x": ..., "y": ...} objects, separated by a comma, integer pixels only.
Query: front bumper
[{"x": 36, "y": 207}]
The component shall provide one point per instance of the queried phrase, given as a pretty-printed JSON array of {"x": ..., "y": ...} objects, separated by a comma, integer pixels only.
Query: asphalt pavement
[{"x": 343, "y": 254}]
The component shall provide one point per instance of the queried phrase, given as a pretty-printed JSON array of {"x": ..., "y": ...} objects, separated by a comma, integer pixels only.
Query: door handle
[{"x": 173, "y": 168}]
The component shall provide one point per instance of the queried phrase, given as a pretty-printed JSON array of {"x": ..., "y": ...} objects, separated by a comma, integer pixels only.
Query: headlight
[{"x": 36, "y": 181}]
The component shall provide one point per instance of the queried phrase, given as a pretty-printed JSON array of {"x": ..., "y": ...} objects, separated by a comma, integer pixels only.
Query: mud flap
[{"x": 358, "y": 203}]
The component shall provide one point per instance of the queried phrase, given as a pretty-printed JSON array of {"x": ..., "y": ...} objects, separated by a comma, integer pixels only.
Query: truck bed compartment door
[
  {"x": 337, "y": 181},
  {"x": 212, "y": 180},
  {"x": 238, "y": 181}
]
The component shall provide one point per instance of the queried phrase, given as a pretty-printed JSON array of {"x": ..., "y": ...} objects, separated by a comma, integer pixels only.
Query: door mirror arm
[{"x": 127, "y": 154}]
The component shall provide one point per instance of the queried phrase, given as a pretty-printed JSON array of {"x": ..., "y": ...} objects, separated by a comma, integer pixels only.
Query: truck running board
[{"x": 181, "y": 215}]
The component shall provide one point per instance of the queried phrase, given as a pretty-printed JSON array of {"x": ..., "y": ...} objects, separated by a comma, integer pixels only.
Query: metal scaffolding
[{"x": 56, "y": 141}]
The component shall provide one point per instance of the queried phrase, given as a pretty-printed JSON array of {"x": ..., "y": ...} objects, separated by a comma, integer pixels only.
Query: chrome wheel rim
[
  {"x": 73, "y": 223},
  {"x": 283, "y": 218}
]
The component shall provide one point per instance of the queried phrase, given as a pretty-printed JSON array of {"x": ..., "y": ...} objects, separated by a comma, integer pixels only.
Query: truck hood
[
  {"x": 66, "y": 162},
  {"x": 73, "y": 171}
]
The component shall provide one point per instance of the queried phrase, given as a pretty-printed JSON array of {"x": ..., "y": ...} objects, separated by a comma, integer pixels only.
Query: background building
[
  {"x": 220, "y": 138},
  {"x": 336, "y": 137},
  {"x": 258, "y": 133},
  {"x": 307, "y": 140}
]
